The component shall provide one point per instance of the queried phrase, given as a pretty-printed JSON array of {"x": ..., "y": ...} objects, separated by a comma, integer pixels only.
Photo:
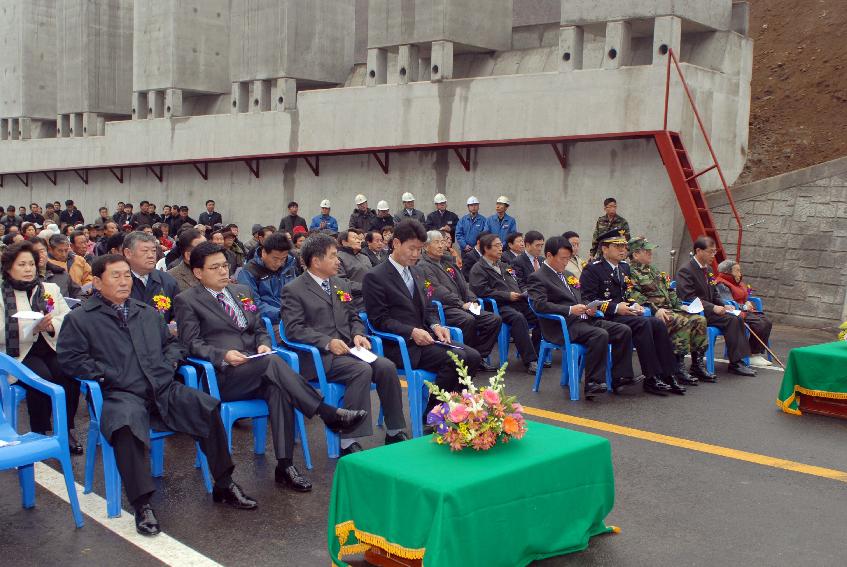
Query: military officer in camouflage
[
  {"x": 607, "y": 223},
  {"x": 651, "y": 288}
]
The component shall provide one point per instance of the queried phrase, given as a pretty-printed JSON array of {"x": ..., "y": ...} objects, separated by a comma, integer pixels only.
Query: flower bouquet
[
  {"x": 475, "y": 418},
  {"x": 842, "y": 336}
]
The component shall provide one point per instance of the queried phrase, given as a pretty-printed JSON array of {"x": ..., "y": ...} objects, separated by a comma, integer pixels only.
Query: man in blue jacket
[
  {"x": 324, "y": 222},
  {"x": 470, "y": 226},
  {"x": 500, "y": 223},
  {"x": 268, "y": 272}
]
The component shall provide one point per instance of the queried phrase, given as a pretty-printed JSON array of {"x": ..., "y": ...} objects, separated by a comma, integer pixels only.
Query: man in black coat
[
  {"x": 292, "y": 219},
  {"x": 492, "y": 278},
  {"x": 451, "y": 289},
  {"x": 149, "y": 285},
  {"x": 552, "y": 289},
  {"x": 530, "y": 261},
  {"x": 362, "y": 218},
  {"x": 317, "y": 309},
  {"x": 397, "y": 302},
  {"x": 695, "y": 279},
  {"x": 607, "y": 280},
  {"x": 125, "y": 346},
  {"x": 220, "y": 323},
  {"x": 441, "y": 218},
  {"x": 210, "y": 217}
]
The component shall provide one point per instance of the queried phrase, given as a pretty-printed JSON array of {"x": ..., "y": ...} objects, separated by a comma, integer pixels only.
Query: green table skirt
[
  {"x": 817, "y": 370},
  {"x": 544, "y": 495}
]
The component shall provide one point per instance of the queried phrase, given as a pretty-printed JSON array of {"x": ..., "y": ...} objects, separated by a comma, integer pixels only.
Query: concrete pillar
[
  {"x": 261, "y": 96},
  {"x": 139, "y": 105},
  {"x": 618, "y": 49},
  {"x": 63, "y": 124},
  {"x": 408, "y": 64},
  {"x": 4, "y": 128},
  {"x": 570, "y": 48},
  {"x": 75, "y": 131},
  {"x": 173, "y": 103},
  {"x": 101, "y": 125},
  {"x": 14, "y": 133},
  {"x": 89, "y": 124},
  {"x": 240, "y": 97},
  {"x": 286, "y": 94},
  {"x": 377, "y": 67},
  {"x": 155, "y": 104},
  {"x": 441, "y": 62},
  {"x": 667, "y": 34},
  {"x": 24, "y": 128}
]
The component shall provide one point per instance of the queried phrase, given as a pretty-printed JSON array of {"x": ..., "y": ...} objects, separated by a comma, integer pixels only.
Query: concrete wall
[
  {"x": 794, "y": 242},
  {"x": 712, "y": 14}
]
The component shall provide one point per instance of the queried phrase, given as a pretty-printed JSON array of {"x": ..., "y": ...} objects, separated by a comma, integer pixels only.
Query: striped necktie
[{"x": 227, "y": 307}]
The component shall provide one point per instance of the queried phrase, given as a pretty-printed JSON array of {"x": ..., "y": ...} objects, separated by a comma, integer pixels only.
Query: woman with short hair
[{"x": 731, "y": 287}]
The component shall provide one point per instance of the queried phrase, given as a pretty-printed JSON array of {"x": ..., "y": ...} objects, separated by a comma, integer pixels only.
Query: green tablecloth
[
  {"x": 544, "y": 495},
  {"x": 818, "y": 370}
]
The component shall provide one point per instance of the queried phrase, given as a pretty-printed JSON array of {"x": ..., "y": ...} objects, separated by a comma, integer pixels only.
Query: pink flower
[
  {"x": 491, "y": 397},
  {"x": 517, "y": 408},
  {"x": 458, "y": 414}
]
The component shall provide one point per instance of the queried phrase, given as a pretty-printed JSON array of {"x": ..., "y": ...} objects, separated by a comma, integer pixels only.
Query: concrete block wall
[{"x": 794, "y": 249}]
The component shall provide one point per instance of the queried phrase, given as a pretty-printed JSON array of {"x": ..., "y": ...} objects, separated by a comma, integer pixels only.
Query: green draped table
[
  {"x": 818, "y": 372},
  {"x": 544, "y": 495}
]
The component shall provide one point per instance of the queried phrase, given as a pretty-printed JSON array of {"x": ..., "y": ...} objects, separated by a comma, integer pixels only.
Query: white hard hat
[
  {"x": 440, "y": 198},
  {"x": 326, "y": 204},
  {"x": 503, "y": 200},
  {"x": 382, "y": 206},
  {"x": 361, "y": 199},
  {"x": 473, "y": 200},
  {"x": 407, "y": 197}
]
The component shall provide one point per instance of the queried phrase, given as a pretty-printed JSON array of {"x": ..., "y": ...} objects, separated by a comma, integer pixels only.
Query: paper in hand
[
  {"x": 595, "y": 304},
  {"x": 260, "y": 355},
  {"x": 695, "y": 307},
  {"x": 448, "y": 345},
  {"x": 363, "y": 354},
  {"x": 475, "y": 308},
  {"x": 29, "y": 320}
]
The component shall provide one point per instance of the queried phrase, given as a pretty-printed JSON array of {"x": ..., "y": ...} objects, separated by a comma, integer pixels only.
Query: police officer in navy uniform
[{"x": 607, "y": 280}]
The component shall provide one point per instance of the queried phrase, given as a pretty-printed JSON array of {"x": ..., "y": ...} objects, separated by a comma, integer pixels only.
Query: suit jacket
[
  {"x": 451, "y": 289},
  {"x": 389, "y": 306},
  {"x": 523, "y": 268},
  {"x": 508, "y": 256},
  {"x": 312, "y": 317},
  {"x": 468, "y": 261},
  {"x": 183, "y": 276},
  {"x": 692, "y": 282},
  {"x": 208, "y": 332},
  {"x": 158, "y": 283},
  {"x": 598, "y": 282},
  {"x": 550, "y": 295},
  {"x": 485, "y": 282}
]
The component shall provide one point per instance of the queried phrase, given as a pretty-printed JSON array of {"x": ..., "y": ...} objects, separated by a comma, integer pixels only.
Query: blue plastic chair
[
  {"x": 456, "y": 333},
  {"x": 573, "y": 358},
  {"x": 505, "y": 329},
  {"x": 417, "y": 390},
  {"x": 111, "y": 476},
  {"x": 255, "y": 410},
  {"x": 31, "y": 448},
  {"x": 11, "y": 397}
]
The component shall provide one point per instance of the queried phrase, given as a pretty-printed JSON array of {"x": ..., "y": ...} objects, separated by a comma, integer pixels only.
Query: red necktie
[{"x": 534, "y": 264}]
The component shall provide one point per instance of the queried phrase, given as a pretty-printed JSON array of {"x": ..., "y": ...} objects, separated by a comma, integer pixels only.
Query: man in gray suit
[
  {"x": 220, "y": 323},
  {"x": 317, "y": 309}
]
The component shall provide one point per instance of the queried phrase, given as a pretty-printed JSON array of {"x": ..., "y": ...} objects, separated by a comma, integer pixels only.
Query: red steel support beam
[
  {"x": 696, "y": 175},
  {"x": 316, "y": 166},
  {"x": 254, "y": 170},
  {"x": 204, "y": 172},
  {"x": 561, "y": 154},
  {"x": 118, "y": 176},
  {"x": 51, "y": 179},
  {"x": 160, "y": 174},
  {"x": 383, "y": 163},
  {"x": 83, "y": 175},
  {"x": 464, "y": 159}
]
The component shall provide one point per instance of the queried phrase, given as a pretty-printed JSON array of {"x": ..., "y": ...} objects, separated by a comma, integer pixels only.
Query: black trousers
[
  {"x": 596, "y": 335},
  {"x": 734, "y": 334},
  {"x": 479, "y": 331},
  {"x": 42, "y": 360},
  {"x": 357, "y": 375},
  {"x": 520, "y": 317},
  {"x": 275, "y": 382},
  {"x": 762, "y": 326},
  {"x": 134, "y": 463},
  {"x": 653, "y": 344}
]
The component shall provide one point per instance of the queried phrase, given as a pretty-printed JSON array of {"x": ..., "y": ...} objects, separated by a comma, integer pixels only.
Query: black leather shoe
[
  {"x": 233, "y": 496},
  {"x": 485, "y": 367},
  {"x": 292, "y": 478},
  {"x": 698, "y": 370},
  {"x": 391, "y": 439},
  {"x": 618, "y": 383},
  {"x": 73, "y": 443},
  {"x": 532, "y": 368},
  {"x": 346, "y": 420},
  {"x": 741, "y": 369},
  {"x": 548, "y": 364},
  {"x": 654, "y": 385},
  {"x": 675, "y": 386},
  {"x": 593, "y": 388},
  {"x": 354, "y": 448},
  {"x": 687, "y": 379},
  {"x": 145, "y": 521}
]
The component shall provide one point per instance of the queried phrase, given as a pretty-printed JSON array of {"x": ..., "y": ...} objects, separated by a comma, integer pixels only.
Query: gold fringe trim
[
  {"x": 368, "y": 540},
  {"x": 785, "y": 406},
  {"x": 615, "y": 529}
]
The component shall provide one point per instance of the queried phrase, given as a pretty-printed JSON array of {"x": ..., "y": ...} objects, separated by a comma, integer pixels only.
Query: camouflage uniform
[
  {"x": 605, "y": 225},
  {"x": 651, "y": 288}
]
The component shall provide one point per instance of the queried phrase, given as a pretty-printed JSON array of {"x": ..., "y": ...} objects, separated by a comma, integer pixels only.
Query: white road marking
[{"x": 163, "y": 547}]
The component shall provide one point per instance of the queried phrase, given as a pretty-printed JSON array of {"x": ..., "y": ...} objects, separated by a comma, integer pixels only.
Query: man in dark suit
[
  {"x": 607, "y": 280},
  {"x": 514, "y": 247},
  {"x": 696, "y": 279},
  {"x": 396, "y": 302},
  {"x": 471, "y": 257},
  {"x": 140, "y": 250},
  {"x": 492, "y": 278},
  {"x": 220, "y": 323},
  {"x": 552, "y": 289},
  {"x": 530, "y": 261},
  {"x": 125, "y": 346},
  {"x": 317, "y": 309},
  {"x": 451, "y": 289}
]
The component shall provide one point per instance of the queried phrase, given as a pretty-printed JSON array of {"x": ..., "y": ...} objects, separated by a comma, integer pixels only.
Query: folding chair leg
[
  {"x": 68, "y": 473},
  {"x": 112, "y": 479},
  {"x": 26, "y": 477},
  {"x": 574, "y": 381},
  {"x": 415, "y": 412},
  {"x": 91, "y": 455},
  {"x": 609, "y": 363}
]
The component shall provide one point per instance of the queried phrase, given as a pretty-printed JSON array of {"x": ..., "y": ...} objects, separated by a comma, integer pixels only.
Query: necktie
[
  {"x": 325, "y": 286},
  {"x": 535, "y": 264},
  {"x": 410, "y": 282},
  {"x": 227, "y": 307},
  {"x": 617, "y": 274}
]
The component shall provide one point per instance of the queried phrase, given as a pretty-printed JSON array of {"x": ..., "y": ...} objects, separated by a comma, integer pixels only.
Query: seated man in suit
[
  {"x": 451, "y": 289},
  {"x": 472, "y": 256},
  {"x": 530, "y": 261},
  {"x": 317, "y": 309},
  {"x": 126, "y": 347},
  {"x": 514, "y": 247},
  {"x": 492, "y": 278},
  {"x": 140, "y": 250},
  {"x": 696, "y": 279},
  {"x": 552, "y": 289},
  {"x": 220, "y": 323},
  {"x": 608, "y": 280},
  {"x": 396, "y": 302}
]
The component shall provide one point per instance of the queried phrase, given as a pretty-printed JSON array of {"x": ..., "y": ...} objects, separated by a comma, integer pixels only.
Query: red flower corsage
[
  {"x": 247, "y": 304},
  {"x": 450, "y": 272},
  {"x": 343, "y": 296},
  {"x": 428, "y": 288},
  {"x": 48, "y": 301}
]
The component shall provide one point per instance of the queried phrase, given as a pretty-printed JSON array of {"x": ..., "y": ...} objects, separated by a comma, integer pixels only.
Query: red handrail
[{"x": 716, "y": 165}]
